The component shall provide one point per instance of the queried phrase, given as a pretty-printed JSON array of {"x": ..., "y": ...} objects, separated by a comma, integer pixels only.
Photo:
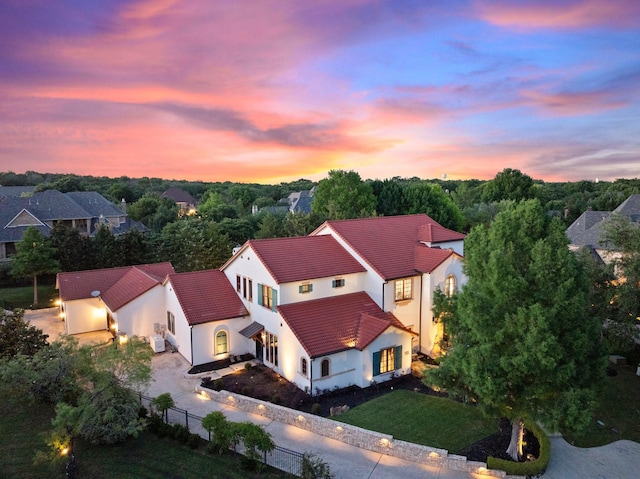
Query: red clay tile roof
[
  {"x": 206, "y": 296},
  {"x": 304, "y": 257},
  {"x": 427, "y": 259},
  {"x": 387, "y": 243},
  {"x": 80, "y": 284},
  {"x": 329, "y": 325},
  {"x": 132, "y": 284}
]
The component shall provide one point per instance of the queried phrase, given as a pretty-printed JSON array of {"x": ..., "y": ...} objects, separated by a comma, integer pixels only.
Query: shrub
[
  {"x": 180, "y": 433},
  {"x": 248, "y": 366},
  {"x": 218, "y": 384},
  {"x": 315, "y": 468},
  {"x": 245, "y": 391},
  {"x": 194, "y": 441},
  {"x": 275, "y": 399},
  {"x": 530, "y": 468},
  {"x": 315, "y": 408}
]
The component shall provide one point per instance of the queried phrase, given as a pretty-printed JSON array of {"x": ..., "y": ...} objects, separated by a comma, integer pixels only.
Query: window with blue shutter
[
  {"x": 274, "y": 299},
  {"x": 376, "y": 363},
  {"x": 398, "y": 359},
  {"x": 260, "y": 295}
]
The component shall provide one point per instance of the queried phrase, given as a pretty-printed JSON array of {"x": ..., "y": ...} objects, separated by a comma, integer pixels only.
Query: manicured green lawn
[
  {"x": 21, "y": 434},
  {"x": 22, "y": 297},
  {"x": 619, "y": 411},
  {"x": 422, "y": 419}
]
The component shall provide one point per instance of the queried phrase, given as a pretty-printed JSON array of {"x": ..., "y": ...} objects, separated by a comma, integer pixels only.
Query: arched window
[
  {"x": 450, "y": 286},
  {"x": 222, "y": 342},
  {"x": 324, "y": 368},
  {"x": 303, "y": 366}
]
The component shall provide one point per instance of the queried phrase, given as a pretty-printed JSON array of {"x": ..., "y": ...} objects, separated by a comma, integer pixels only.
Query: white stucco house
[{"x": 346, "y": 305}]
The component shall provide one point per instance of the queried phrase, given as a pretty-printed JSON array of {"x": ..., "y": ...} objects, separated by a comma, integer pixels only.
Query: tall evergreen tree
[
  {"x": 344, "y": 195},
  {"x": 523, "y": 342}
]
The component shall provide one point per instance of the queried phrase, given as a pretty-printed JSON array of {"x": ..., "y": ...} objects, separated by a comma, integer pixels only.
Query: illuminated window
[
  {"x": 324, "y": 368},
  {"x": 171, "y": 322},
  {"x": 387, "y": 360},
  {"x": 222, "y": 342},
  {"x": 271, "y": 348},
  {"x": 404, "y": 289},
  {"x": 450, "y": 286},
  {"x": 305, "y": 288}
]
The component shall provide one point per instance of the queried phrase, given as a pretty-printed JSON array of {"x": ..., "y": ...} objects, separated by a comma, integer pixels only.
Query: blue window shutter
[
  {"x": 300, "y": 289},
  {"x": 260, "y": 295},
  {"x": 333, "y": 283},
  {"x": 376, "y": 363},
  {"x": 274, "y": 302},
  {"x": 398, "y": 359},
  {"x": 310, "y": 287}
]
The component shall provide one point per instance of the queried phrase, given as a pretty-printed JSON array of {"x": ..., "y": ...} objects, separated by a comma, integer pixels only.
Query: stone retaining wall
[{"x": 353, "y": 435}]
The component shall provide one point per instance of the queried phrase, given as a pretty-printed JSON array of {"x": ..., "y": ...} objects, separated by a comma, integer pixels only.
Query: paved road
[{"x": 619, "y": 460}]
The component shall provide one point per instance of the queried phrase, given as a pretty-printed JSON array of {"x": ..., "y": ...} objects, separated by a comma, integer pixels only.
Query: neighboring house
[
  {"x": 184, "y": 200},
  {"x": 300, "y": 201},
  {"x": 588, "y": 230},
  {"x": 84, "y": 210},
  {"x": 347, "y": 305},
  {"x": 128, "y": 299}
]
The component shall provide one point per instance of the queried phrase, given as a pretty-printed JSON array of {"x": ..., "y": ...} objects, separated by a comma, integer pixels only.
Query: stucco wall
[
  {"x": 138, "y": 316},
  {"x": 84, "y": 315}
]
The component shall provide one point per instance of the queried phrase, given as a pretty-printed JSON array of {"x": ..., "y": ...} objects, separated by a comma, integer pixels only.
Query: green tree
[
  {"x": 153, "y": 211},
  {"x": 193, "y": 244},
  {"x": 523, "y": 342},
  {"x": 105, "y": 249},
  {"x": 390, "y": 196},
  {"x": 221, "y": 434},
  {"x": 73, "y": 251},
  {"x": 19, "y": 337},
  {"x": 34, "y": 256},
  {"x": 162, "y": 403},
  {"x": 509, "y": 184},
  {"x": 133, "y": 248},
  {"x": 271, "y": 226},
  {"x": 429, "y": 198},
  {"x": 343, "y": 195}
]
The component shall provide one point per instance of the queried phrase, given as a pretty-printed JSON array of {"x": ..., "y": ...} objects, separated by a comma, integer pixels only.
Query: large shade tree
[
  {"x": 343, "y": 195},
  {"x": 524, "y": 344},
  {"x": 34, "y": 256}
]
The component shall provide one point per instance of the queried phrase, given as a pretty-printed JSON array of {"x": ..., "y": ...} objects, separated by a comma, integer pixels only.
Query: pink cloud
[{"x": 560, "y": 14}]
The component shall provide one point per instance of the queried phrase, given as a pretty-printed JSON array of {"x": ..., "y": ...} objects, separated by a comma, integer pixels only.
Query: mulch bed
[
  {"x": 262, "y": 383},
  {"x": 220, "y": 364}
]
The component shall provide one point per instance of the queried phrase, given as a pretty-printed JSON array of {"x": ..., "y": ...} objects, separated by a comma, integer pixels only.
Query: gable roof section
[
  {"x": 329, "y": 325},
  {"x": 304, "y": 257},
  {"x": 179, "y": 196},
  {"x": 95, "y": 204},
  {"x": 206, "y": 296},
  {"x": 428, "y": 259},
  {"x": 132, "y": 284},
  {"x": 80, "y": 284},
  {"x": 388, "y": 243},
  {"x": 587, "y": 228},
  {"x": 630, "y": 208}
]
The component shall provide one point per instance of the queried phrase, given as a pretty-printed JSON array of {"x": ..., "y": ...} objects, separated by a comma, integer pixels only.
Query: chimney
[{"x": 123, "y": 206}]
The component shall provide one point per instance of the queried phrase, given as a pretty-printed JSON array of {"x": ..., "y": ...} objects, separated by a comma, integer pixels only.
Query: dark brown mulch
[
  {"x": 261, "y": 382},
  {"x": 497, "y": 444},
  {"x": 220, "y": 364}
]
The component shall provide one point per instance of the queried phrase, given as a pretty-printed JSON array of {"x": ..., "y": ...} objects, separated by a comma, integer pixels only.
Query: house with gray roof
[
  {"x": 84, "y": 210},
  {"x": 588, "y": 230}
]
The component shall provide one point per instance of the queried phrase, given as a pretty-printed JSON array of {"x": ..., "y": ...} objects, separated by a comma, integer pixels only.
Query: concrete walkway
[{"x": 619, "y": 460}]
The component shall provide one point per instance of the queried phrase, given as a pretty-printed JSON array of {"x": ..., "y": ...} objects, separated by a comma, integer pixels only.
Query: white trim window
[
  {"x": 404, "y": 289},
  {"x": 450, "y": 286},
  {"x": 221, "y": 342}
]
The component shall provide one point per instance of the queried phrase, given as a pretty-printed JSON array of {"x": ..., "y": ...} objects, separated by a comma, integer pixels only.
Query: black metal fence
[{"x": 280, "y": 457}]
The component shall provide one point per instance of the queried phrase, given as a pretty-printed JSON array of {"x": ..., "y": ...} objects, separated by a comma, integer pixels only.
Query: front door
[{"x": 259, "y": 349}]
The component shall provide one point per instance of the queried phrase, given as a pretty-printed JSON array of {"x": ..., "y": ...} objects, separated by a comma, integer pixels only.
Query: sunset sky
[{"x": 271, "y": 91}]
